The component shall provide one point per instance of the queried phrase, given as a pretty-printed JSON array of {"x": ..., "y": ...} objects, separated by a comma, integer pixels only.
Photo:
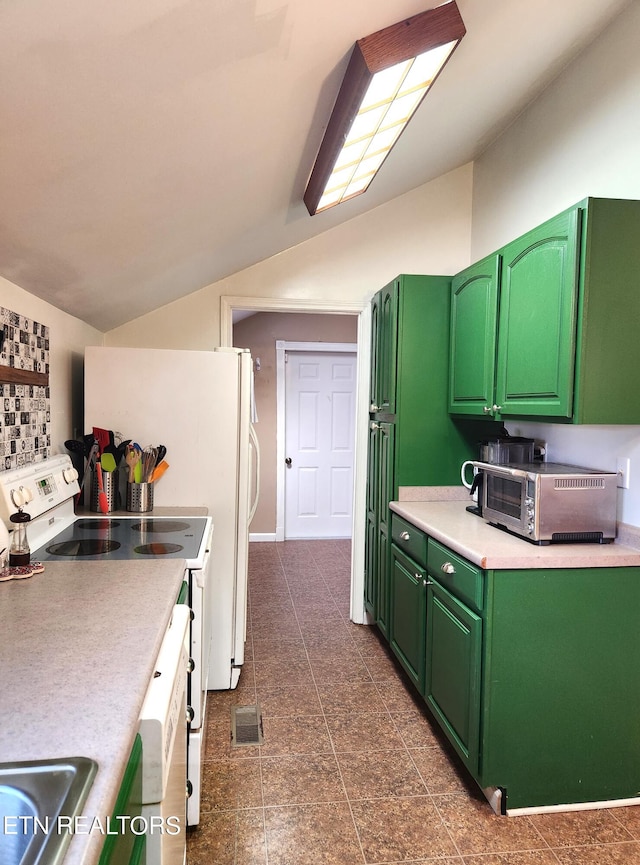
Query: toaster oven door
[{"x": 506, "y": 500}]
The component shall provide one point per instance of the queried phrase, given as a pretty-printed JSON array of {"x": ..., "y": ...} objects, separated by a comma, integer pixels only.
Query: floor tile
[
  {"x": 338, "y": 697},
  {"x": 295, "y": 735},
  {"x": 229, "y": 838},
  {"x": 321, "y": 834},
  {"x": 231, "y": 784},
  {"x": 534, "y": 857},
  {"x": 339, "y": 669},
  {"x": 363, "y": 731},
  {"x": 630, "y": 819},
  {"x": 394, "y": 830},
  {"x": 570, "y": 828},
  {"x": 296, "y": 780},
  {"x": 380, "y": 773},
  {"x": 601, "y": 854},
  {"x": 287, "y": 701},
  {"x": 475, "y": 828},
  {"x": 440, "y": 770},
  {"x": 268, "y": 672}
]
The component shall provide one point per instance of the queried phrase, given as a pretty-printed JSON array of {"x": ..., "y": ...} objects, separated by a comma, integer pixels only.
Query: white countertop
[
  {"x": 78, "y": 644},
  {"x": 489, "y": 547}
]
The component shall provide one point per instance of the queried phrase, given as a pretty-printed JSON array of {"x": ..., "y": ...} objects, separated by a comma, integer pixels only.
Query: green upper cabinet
[
  {"x": 474, "y": 320},
  {"x": 384, "y": 335},
  {"x": 544, "y": 327},
  {"x": 538, "y": 300}
]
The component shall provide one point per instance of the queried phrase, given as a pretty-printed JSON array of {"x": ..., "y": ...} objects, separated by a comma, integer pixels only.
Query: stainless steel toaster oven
[{"x": 550, "y": 502}]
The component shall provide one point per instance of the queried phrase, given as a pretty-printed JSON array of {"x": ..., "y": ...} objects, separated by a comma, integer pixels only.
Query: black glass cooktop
[{"x": 102, "y": 538}]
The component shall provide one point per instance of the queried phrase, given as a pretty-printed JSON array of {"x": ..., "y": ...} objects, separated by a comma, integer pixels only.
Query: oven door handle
[
  {"x": 493, "y": 468},
  {"x": 201, "y": 573}
]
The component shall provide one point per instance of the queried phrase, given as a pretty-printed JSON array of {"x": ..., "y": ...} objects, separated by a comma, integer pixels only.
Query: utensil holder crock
[
  {"x": 139, "y": 498},
  {"x": 110, "y": 486}
]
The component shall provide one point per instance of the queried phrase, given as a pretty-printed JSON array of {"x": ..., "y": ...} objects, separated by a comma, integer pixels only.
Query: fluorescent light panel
[{"x": 387, "y": 78}]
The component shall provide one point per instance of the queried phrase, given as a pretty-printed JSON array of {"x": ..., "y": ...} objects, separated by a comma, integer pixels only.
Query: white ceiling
[{"x": 150, "y": 148}]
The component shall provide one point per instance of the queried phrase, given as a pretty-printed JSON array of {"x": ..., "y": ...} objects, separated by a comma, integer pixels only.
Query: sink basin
[{"x": 33, "y": 795}]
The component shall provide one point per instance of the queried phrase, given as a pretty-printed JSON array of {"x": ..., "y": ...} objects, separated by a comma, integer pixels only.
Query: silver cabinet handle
[
  {"x": 404, "y": 536},
  {"x": 374, "y": 407},
  {"x": 374, "y": 425},
  {"x": 190, "y": 714},
  {"x": 447, "y": 568},
  {"x": 497, "y": 407},
  {"x": 486, "y": 409}
]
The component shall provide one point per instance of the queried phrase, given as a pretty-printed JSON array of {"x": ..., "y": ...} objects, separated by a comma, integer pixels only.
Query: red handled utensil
[{"x": 103, "y": 501}]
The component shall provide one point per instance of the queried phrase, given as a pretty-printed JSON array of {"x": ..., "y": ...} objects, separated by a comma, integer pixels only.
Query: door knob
[{"x": 288, "y": 462}]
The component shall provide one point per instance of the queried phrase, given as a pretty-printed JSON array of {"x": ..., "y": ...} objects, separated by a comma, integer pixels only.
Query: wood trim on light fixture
[{"x": 372, "y": 54}]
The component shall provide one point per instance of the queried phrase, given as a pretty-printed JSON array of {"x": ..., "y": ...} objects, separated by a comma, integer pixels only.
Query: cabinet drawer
[
  {"x": 409, "y": 539},
  {"x": 458, "y": 575}
]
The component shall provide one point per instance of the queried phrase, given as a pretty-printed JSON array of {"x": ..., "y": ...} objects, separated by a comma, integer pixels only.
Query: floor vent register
[{"x": 246, "y": 726}]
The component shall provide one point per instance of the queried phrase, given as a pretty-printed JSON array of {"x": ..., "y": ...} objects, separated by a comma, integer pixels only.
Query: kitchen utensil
[
  {"x": 108, "y": 462},
  {"x": 90, "y": 459},
  {"x": 103, "y": 501},
  {"x": 132, "y": 459},
  {"x": 102, "y": 437},
  {"x": 148, "y": 463},
  {"x": 162, "y": 452},
  {"x": 159, "y": 470}
]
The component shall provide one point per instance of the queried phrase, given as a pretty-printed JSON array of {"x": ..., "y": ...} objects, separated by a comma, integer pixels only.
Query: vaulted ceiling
[{"x": 150, "y": 148}]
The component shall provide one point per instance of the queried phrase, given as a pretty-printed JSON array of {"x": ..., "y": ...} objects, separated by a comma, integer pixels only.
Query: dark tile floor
[{"x": 351, "y": 771}]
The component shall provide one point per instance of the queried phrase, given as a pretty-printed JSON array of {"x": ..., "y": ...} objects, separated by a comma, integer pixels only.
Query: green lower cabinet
[
  {"x": 408, "y": 618},
  {"x": 561, "y": 705},
  {"x": 453, "y": 670},
  {"x": 384, "y": 565},
  {"x": 531, "y": 674}
]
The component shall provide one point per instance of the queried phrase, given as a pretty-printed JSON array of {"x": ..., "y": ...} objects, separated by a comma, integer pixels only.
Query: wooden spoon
[{"x": 132, "y": 458}]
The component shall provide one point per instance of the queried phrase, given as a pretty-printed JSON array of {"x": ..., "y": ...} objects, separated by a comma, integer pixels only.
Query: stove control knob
[
  {"x": 21, "y": 496},
  {"x": 70, "y": 475}
]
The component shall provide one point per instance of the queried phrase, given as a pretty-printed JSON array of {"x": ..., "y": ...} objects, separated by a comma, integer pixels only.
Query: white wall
[
  {"x": 68, "y": 337},
  {"x": 427, "y": 230},
  {"x": 579, "y": 139}
]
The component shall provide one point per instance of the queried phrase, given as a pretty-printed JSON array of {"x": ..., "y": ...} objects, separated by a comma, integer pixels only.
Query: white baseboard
[{"x": 262, "y": 536}]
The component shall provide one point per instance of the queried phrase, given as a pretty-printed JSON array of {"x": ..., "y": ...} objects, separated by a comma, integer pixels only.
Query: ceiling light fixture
[{"x": 388, "y": 75}]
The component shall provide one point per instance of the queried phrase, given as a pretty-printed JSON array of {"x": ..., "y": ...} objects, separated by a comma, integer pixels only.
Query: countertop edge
[{"x": 493, "y": 549}]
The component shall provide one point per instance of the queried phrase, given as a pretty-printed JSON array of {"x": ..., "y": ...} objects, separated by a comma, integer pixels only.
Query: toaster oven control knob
[{"x": 70, "y": 475}]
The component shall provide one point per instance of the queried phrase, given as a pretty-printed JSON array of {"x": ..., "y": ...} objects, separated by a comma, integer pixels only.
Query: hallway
[{"x": 351, "y": 771}]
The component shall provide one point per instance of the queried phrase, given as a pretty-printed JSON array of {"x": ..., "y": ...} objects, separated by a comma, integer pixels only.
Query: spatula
[
  {"x": 108, "y": 462},
  {"x": 103, "y": 501}
]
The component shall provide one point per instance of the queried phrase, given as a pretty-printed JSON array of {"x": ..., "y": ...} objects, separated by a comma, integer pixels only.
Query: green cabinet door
[
  {"x": 474, "y": 319},
  {"x": 537, "y": 326},
  {"x": 386, "y": 449},
  {"x": 453, "y": 670},
  {"x": 408, "y": 620},
  {"x": 371, "y": 578},
  {"x": 387, "y": 349}
]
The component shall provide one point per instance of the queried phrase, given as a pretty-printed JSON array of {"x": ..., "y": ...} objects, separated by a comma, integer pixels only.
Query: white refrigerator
[{"x": 199, "y": 404}]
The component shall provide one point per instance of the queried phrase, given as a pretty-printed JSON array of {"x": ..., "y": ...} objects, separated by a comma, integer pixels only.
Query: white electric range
[{"x": 47, "y": 490}]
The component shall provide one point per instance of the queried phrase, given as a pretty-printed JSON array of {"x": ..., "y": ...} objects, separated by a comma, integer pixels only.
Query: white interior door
[{"x": 320, "y": 399}]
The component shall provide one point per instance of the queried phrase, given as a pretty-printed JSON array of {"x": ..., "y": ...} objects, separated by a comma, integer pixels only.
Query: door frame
[
  {"x": 362, "y": 309},
  {"x": 282, "y": 347}
]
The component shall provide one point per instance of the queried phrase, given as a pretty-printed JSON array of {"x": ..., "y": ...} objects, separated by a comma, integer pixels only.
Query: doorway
[
  {"x": 228, "y": 304},
  {"x": 316, "y": 395}
]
